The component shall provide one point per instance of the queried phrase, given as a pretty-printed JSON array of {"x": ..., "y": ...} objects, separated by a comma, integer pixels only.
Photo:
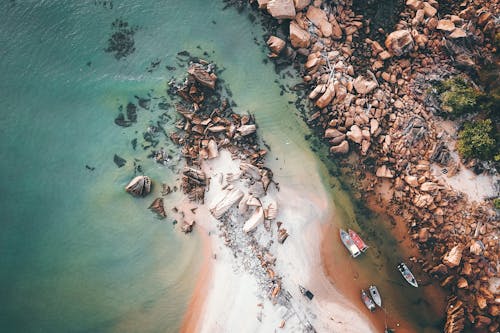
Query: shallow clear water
[{"x": 78, "y": 254}]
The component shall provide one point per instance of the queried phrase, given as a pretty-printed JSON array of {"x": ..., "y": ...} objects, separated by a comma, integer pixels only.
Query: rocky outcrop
[
  {"x": 298, "y": 36},
  {"x": 202, "y": 75},
  {"x": 139, "y": 186},
  {"x": 320, "y": 20},
  {"x": 379, "y": 106}
]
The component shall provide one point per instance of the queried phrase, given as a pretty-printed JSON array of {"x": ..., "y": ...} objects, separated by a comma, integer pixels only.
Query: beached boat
[
  {"x": 375, "y": 295},
  {"x": 367, "y": 300},
  {"x": 306, "y": 292},
  {"x": 349, "y": 244},
  {"x": 407, "y": 274},
  {"x": 357, "y": 240}
]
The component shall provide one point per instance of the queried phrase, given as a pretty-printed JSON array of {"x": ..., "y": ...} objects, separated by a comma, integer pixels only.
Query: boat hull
[
  {"x": 375, "y": 295},
  {"x": 349, "y": 244},
  {"x": 360, "y": 243},
  {"x": 367, "y": 300},
  {"x": 407, "y": 274}
]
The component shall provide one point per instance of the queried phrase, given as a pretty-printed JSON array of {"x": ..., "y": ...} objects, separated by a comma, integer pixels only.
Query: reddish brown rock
[
  {"x": 342, "y": 148},
  {"x": 332, "y": 133},
  {"x": 299, "y": 37},
  {"x": 262, "y": 3},
  {"x": 281, "y": 9},
  {"x": 319, "y": 19},
  {"x": 414, "y": 4},
  {"x": 458, "y": 33},
  {"x": 276, "y": 44},
  {"x": 429, "y": 11},
  {"x": 327, "y": 97},
  {"x": 399, "y": 42},
  {"x": 301, "y": 4},
  {"x": 364, "y": 86},
  {"x": 462, "y": 283},
  {"x": 411, "y": 180},
  {"x": 354, "y": 134},
  {"x": 336, "y": 29},
  {"x": 384, "y": 172},
  {"x": 452, "y": 257},
  {"x": 445, "y": 25}
]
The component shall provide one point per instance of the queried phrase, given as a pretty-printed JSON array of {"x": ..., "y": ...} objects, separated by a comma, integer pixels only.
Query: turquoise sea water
[{"x": 78, "y": 254}]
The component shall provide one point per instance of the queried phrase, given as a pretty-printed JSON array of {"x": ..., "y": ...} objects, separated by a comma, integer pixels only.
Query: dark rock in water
[
  {"x": 143, "y": 102},
  {"x": 121, "y": 42},
  {"x": 132, "y": 112},
  {"x": 121, "y": 121},
  {"x": 158, "y": 208},
  {"x": 184, "y": 54},
  {"x": 153, "y": 65},
  {"x": 119, "y": 161},
  {"x": 163, "y": 105},
  {"x": 134, "y": 143},
  {"x": 171, "y": 68},
  {"x": 88, "y": 167}
]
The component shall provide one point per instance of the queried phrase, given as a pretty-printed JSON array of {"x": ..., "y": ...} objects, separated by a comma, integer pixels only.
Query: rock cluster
[{"x": 371, "y": 99}]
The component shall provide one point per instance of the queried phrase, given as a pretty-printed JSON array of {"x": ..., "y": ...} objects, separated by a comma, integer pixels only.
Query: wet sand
[{"x": 195, "y": 308}]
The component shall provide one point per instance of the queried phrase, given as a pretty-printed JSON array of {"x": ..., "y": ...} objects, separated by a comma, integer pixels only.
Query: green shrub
[
  {"x": 457, "y": 97},
  {"x": 476, "y": 140},
  {"x": 496, "y": 203}
]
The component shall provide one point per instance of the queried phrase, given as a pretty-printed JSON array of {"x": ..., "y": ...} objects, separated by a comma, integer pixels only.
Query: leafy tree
[
  {"x": 458, "y": 97},
  {"x": 476, "y": 140}
]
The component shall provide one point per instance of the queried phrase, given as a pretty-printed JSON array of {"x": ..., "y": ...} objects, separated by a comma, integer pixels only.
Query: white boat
[
  {"x": 407, "y": 274},
  {"x": 349, "y": 244},
  {"x": 367, "y": 300},
  {"x": 375, "y": 295}
]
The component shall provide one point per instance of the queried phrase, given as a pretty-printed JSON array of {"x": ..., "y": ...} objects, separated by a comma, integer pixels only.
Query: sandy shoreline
[{"x": 227, "y": 298}]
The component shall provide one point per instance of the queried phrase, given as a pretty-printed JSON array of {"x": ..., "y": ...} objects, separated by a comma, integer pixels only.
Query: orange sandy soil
[{"x": 191, "y": 319}]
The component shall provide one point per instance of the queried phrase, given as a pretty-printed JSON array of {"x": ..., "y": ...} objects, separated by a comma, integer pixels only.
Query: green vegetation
[
  {"x": 476, "y": 140},
  {"x": 496, "y": 203},
  {"x": 458, "y": 97}
]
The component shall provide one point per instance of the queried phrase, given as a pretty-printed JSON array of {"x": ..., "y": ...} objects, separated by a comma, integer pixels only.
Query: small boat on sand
[
  {"x": 375, "y": 295},
  {"x": 357, "y": 240},
  {"x": 349, "y": 243},
  {"x": 306, "y": 292},
  {"x": 407, "y": 274},
  {"x": 367, "y": 300}
]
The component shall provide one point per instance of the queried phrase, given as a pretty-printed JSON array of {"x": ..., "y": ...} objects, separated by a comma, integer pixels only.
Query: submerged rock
[
  {"x": 119, "y": 161},
  {"x": 139, "y": 186}
]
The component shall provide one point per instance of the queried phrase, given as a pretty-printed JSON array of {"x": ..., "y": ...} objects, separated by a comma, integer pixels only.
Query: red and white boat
[{"x": 358, "y": 241}]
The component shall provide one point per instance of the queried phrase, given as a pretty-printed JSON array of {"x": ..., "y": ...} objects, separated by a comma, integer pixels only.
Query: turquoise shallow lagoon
[{"x": 78, "y": 254}]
